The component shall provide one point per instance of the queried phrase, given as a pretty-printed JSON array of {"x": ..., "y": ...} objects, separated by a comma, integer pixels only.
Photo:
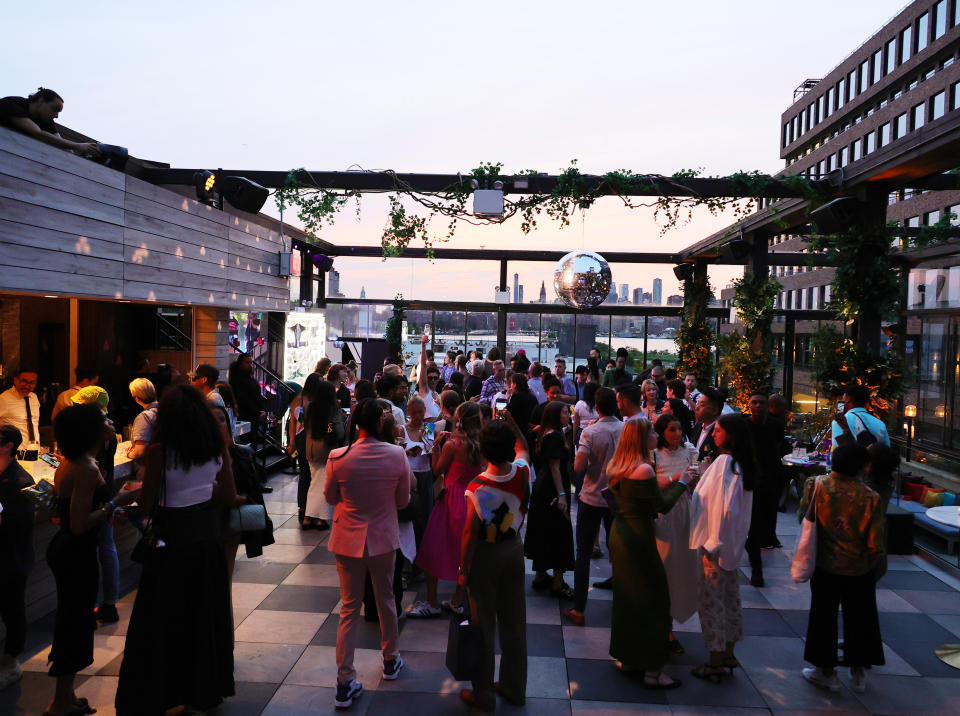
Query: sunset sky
[{"x": 442, "y": 87}]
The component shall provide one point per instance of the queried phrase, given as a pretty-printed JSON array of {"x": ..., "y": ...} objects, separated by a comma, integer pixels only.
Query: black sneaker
[
  {"x": 346, "y": 693},
  {"x": 106, "y": 613},
  {"x": 391, "y": 669},
  {"x": 604, "y": 584}
]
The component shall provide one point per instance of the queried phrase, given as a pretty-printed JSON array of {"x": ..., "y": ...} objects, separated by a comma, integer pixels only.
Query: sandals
[
  {"x": 730, "y": 662},
  {"x": 564, "y": 591},
  {"x": 660, "y": 682},
  {"x": 710, "y": 672}
]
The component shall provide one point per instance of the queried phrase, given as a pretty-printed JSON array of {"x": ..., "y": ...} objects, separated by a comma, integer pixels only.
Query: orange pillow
[{"x": 933, "y": 498}]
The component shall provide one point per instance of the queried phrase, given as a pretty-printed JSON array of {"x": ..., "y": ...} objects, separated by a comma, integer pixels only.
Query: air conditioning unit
[{"x": 488, "y": 203}]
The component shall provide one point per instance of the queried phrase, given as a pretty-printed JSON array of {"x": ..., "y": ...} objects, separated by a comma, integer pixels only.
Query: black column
[
  {"x": 502, "y": 314},
  {"x": 306, "y": 277}
]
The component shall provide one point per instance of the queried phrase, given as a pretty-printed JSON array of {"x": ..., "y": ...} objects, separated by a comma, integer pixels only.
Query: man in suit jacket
[
  {"x": 708, "y": 408},
  {"x": 367, "y": 483}
]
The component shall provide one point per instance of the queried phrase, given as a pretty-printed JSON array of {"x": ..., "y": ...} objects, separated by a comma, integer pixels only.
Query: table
[
  {"x": 123, "y": 467},
  {"x": 947, "y": 515}
]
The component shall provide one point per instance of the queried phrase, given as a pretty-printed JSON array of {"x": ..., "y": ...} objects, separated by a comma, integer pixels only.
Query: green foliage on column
[{"x": 695, "y": 339}]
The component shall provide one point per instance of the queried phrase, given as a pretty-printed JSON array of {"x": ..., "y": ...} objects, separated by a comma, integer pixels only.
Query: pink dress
[{"x": 439, "y": 552}]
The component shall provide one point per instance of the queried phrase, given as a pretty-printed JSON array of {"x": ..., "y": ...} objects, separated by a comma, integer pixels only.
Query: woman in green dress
[{"x": 641, "y": 599}]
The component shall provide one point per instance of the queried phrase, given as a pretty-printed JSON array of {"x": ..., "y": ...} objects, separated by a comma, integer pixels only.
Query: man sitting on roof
[{"x": 34, "y": 117}]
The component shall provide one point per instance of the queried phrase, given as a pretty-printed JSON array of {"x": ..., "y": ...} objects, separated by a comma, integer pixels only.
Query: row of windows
[
  {"x": 813, "y": 298},
  {"x": 921, "y": 77},
  {"x": 901, "y": 125},
  {"x": 928, "y": 219},
  {"x": 911, "y": 40}
]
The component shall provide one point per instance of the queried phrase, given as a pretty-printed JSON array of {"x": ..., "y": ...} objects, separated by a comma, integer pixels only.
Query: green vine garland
[
  {"x": 573, "y": 192},
  {"x": 393, "y": 333},
  {"x": 694, "y": 338},
  {"x": 747, "y": 361}
]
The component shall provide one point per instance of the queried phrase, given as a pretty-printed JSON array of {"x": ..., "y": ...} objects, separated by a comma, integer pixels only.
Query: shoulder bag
[{"x": 805, "y": 557}]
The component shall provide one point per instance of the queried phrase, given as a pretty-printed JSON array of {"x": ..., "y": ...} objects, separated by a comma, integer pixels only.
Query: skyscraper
[
  {"x": 624, "y": 293},
  {"x": 543, "y": 292},
  {"x": 637, "y": 296},
  {"x": 520, "y": 299},
  {"x": 333, "y": 284},
  {"x": 612, "y": 296},
  {"x": 657, "y": 291},
  {"x": 516, "y": 288}
]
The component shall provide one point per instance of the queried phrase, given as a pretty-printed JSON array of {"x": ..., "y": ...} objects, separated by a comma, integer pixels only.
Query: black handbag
[
  {"x": 464, "y": 649},
  {"x": 148, "y": 543}
]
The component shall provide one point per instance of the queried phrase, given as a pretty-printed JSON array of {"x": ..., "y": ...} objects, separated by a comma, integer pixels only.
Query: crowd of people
[{"x": 455, "y": 473}]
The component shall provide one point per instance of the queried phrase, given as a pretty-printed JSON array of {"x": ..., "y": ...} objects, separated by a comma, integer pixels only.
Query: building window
[
  {"x": 883, "y": 135},
  {"x": 864, "y": 76},
  {"x": 906, "y": 44},
  {"x": 931, "y": 218},
  {"x": 892, "y": 198},
  {"x": 900, "y": 126},
  {"x": 955, "y": 210},
  {"x": 877, "y": 67},
  {"x": 812, "y": 115},
  {"x": 891, "y": 56},
  {"x": 810, "y": 304},
  {"x": 800, "y": 298},
  {"x": 821, "y": 108},
  {"x": 851, "y": 85},
  {"x": 918, "y": 116},
  {"x": 821, "y": 168},
  {"x": 955, "y": 94},
  {"x": 938, "y": 105},
  {"x": 870, "y": 143},
  {"x": 786, "y": 134},
  {"x": 923, "y": 31},
  {"x": 831, "y": 162},
  {"x": 822, "y": 302},
  {"x": 939, "y": 19},
  {"x": 844, "y": 156},
  {"x": 856, "y": 150},
  {"x": 841, "y": 93}
]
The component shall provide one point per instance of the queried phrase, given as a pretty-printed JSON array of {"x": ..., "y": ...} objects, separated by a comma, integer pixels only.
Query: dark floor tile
[
  {"x": 542, "y": 640},
  {"x": 736, "y": 690},
  {"x": 31, "y": 695},
  {"x": 599, "y": 612},
  {"x": 596, "y": 680},
  {"x": 250, "y": 700},
  {"x": 913, "y": 580},
  {"x": 921, "y": 657},
  {"x": 321, "y": 555},
  {"x": 797, "y": 619},
  {"x": 765, "y": 622},
  {"x": 367, "y": 634},
  {"x": 262, "y": 572},
  {"x": 388, "y": 703},
  {"x": 694, "y": 651},
  {"x": 295, "y": 598},
  {"x": 899, "y": 627}
]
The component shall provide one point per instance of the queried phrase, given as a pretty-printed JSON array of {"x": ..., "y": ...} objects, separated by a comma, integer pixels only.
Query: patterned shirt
[
  {"x": 850, "y": 522},
  {"x": 501, "y": 501},
  {"x": 491, "y": 386}
]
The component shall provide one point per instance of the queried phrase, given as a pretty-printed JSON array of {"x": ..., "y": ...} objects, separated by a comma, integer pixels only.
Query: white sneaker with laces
[
  {"x": 816, "y": 676},
  {"x": 858, "y": 680},
  {"x": 422, "y": 610},
  {"x": 9, "y": 675}
]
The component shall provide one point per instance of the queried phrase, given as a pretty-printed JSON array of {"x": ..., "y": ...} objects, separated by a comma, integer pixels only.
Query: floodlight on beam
[
  {"x": 739, "y": 248},
  {"x": 837, "y": 216},
  {"x": 240, "y": 192}
]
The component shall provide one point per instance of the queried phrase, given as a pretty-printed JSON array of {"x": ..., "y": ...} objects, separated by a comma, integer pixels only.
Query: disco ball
[{"x": 582, "y": 279}]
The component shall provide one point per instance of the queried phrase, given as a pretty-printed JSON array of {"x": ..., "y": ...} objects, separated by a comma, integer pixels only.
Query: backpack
[{"x": 865, "y": 438}]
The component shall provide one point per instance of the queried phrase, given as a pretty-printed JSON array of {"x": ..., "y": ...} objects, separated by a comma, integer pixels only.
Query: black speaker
[
  {"x": 836, "y": 216},
  {"x": 242, "y": 193}
]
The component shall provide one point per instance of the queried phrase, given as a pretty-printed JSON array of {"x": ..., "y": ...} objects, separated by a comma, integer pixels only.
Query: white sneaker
[
  {"x": 858, "y": 680},
  {"x": 817, "y": 677},
  {"x": 422, "y": 610},
  {"x": 10, "y": 675}
]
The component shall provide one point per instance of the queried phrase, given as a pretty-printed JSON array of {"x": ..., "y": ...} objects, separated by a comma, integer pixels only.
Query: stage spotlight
[
  {"x": 204, "y": 182},
  {"x": 739, "y": 248},
  {"x": 836, "y": 216},
  {"x": 322, "y": 262},
  {"x": 683, "y": 271}
]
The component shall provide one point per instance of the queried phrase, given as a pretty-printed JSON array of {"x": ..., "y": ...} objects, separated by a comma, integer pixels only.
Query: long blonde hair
[
  {"x": 469, "y": 423},
  {"x": 632, "y": 450}
]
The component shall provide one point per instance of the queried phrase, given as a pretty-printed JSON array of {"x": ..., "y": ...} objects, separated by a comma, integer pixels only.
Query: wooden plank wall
[{"x": 69, "y": 226}]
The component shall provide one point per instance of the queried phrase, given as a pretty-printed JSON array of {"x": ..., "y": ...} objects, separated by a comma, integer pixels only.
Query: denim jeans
[
  {"x": 588, "y": 527},
  {"x": 109, "y": 564}
]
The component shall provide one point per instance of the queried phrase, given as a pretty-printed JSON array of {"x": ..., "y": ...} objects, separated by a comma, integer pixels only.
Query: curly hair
[{"x": 186, "y": 427}]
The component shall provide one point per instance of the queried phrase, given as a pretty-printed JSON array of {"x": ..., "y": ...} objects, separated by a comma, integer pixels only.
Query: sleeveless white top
[{"x": 190, "y": 486}]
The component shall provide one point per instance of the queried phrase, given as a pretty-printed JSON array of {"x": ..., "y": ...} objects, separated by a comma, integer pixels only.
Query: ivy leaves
[
  {"x": 694, "y": 338},
  {"x": 669, "y": 197}
]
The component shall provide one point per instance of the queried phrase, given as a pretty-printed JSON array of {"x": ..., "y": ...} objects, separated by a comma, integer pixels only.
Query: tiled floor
[{"x": 286, "y": 604}]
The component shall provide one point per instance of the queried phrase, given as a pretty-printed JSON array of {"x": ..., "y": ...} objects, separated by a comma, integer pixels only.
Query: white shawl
[{"x": 720, "y": 513}]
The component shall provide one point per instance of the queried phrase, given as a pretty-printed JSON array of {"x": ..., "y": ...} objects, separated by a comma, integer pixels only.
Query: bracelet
[{"x": 561, "y": 494}]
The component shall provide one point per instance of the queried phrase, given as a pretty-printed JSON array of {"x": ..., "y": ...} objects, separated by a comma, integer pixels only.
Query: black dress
[
  {"x": 549, "y": 538},
  {"x": 179, "y": 647},
  {"x": 73, "y": 561}
]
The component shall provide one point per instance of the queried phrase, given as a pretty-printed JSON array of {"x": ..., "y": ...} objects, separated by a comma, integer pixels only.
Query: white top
[
  {"x": 536, "y": 387},
  {"x": 191, "y": 486},
  {"x": 13, "y": 411},
  {"x": 720, "y": 513},
  {"x": 668, "y": 463},
  {"x": 432, "y": 402},
  {"x": 586, "y": 413},
  {"x": 421, "y": 462}
]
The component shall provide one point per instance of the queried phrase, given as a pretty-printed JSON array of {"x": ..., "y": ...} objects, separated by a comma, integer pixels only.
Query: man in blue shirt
[
  {"x": 568, "y": 386},
  {"x": 855, "y": 397}
]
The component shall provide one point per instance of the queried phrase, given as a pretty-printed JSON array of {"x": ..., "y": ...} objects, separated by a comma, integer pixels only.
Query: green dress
[{"x": 640, "y": 630}]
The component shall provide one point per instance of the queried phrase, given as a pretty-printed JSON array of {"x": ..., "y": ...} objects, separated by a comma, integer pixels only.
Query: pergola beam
[{"x": 654, "y": 185}]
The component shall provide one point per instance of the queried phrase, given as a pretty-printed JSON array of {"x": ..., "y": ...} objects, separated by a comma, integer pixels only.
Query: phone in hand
[
  {"x": 50, "y": 459},
  {"x": 499, "y": 407},
  {"x": 840, "y": 408},
  {"x": 414, "y": 450},
  {"x": 430, "y": 431}
]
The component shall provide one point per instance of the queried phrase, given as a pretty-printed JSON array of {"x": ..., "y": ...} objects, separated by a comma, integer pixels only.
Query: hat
[
  {"x": 521, "y": 352},
  {"x": 92, "y": 394}
]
